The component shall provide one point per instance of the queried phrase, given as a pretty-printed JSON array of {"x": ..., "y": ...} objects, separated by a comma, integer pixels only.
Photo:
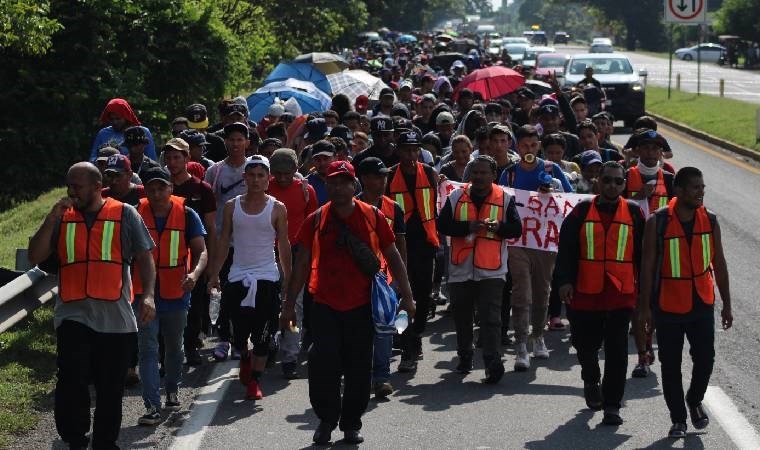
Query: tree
[
  {"x": 26, "y": 27},
  {"x": 739, "y": 17}
]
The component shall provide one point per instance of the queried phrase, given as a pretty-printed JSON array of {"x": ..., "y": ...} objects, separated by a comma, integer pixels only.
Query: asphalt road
[{"x": 739, "y": 84}]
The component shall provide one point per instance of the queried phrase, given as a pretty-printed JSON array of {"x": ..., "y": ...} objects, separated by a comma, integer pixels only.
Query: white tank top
[{"x": 254, "y": 243}]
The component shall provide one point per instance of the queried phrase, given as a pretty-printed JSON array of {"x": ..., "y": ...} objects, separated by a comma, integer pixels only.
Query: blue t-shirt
[
  {"x": 193, "y": 228},
  {"x": 109, "y": 135},
  {"x": 528, "y": 180},
  {"x": 319, "y": 186}
]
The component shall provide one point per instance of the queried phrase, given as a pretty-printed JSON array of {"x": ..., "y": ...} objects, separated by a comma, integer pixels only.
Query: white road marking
[
  {"x": 205, "y": 405},
  {"x": 730, "y": 419}
]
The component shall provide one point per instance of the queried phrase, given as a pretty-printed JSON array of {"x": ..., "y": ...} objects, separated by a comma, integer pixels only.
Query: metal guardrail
[{"x": 25, "y": 293}]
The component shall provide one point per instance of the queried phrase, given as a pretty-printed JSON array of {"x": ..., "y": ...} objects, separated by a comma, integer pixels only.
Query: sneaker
[
  {"x": 677, "y": 431},
  {"x": 465, "y": 364},
  {"x": 152, "y": 416},
  {"x": 431, "y": 311},
  {"x": 192, "y": 357},
  {"x": 221, "y": 351},
  {"x": 593, "y": 395},
  {"x": 244, "y": 374},
  {"x": 698, "y": 417},
  {"x": 172, "y": 402},
  {"x": 235, "y": 354},
  {"x": 641, "y": 370},
  {"x": 555, "y": 324},
  {"x": 132, "y": 379},
  {"x": 290, "y": 370},
  {"x": 522, "y": 361},
  {"x": 612, "y": 417},
  {"x": 494, "y": 372},
  {"x": 383, "y": 389},
  {"x": 407, "y": 364},
  {"x": 322, "y": 433},
  {"x": 253, "y": 392},
  {"x": 539, "y": 349}
]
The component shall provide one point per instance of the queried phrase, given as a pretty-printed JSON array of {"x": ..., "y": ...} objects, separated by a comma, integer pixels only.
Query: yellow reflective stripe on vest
[
  {"x": 463, "y": 212},
  {"x": 622, "y": 241},
  {"x": 106, "y": 243},
  {"x": 426, "y": 207},
  {"x": 706, "y": 252},
  {"x": 675, "y": 258},
  {"x": 71, "y": 231},
  {"x": 589, "y": 240},
  {"x": 663, "y": 202},
  {"x": 173, "y": 248},
  {"x": 400, "y": 201}
]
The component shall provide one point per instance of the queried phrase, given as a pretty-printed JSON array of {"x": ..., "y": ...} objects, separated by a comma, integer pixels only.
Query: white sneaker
[
  {"x": 522, "y": 361},
  {"x": 539, "y": 348}
]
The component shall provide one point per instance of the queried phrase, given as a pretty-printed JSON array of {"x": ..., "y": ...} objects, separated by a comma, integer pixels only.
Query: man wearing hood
[{"x": 117, "y": 117}]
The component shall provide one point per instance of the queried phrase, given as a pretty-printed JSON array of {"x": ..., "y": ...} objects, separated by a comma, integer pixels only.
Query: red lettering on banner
[
  {"x": 531, "y": 225},
  {"x": 552, "y": 234},
  {"x": 535, "y": 205},
  {"x": 567, "y": 208},
  {"x": 552, "y": 204}
]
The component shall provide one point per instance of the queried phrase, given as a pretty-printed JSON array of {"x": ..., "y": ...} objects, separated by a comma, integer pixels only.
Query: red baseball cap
[
  {"x": 337, "y": 168},
  {"x": 362, "y": 101}
]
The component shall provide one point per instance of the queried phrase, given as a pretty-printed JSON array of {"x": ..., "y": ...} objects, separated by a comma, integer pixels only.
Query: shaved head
[{"x": 87, "y": 169}]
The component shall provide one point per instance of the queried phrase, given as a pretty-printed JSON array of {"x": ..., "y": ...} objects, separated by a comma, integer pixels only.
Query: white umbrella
[{"x": 354, "y": 83}]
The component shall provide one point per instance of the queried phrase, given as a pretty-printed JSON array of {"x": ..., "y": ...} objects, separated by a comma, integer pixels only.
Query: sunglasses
[{"x": 618, "y": 180}]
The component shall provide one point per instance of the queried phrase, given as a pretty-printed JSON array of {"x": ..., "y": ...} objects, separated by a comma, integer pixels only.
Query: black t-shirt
[
  {"x": 215, "y": 150},
  {"x": 198, "y": 196},
  {"x": 389, "y": 161}
]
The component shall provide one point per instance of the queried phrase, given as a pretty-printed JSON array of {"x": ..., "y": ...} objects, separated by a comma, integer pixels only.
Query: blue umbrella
[
  {"x": 405, "y": 39},
  {"x": 299, "y": 71},
  {"x": 260, "y": 101}
]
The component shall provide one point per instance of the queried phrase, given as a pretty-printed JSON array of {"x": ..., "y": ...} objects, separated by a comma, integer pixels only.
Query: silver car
[{"x": 708, "y": 52}]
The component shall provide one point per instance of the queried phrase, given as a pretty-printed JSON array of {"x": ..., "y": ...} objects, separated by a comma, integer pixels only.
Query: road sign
[{"x": 686, "y": 11}]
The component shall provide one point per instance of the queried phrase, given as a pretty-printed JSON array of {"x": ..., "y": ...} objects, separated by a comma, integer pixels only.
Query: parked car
[
  {"x": 514, "y": 40},
  {"x": 531, "y": 53},
  {"x": 708, "y": 52},
  {"x": 546, "y": 63},
  {"x": 622, "y": 86},
  {"x": 601, "y": 40},
  {"x": 561, "y": 37},
  {"x": 601, "y": 48},
  {"x": 539, "y": 38},
  {"x": 516, "y": 52}
]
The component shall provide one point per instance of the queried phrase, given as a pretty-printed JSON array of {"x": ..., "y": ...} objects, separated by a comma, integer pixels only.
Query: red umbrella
[{"x": 491, "y": 82}]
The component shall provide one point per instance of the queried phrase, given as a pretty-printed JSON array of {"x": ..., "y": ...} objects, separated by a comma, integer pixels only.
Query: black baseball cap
[
  {"x": 371, "y": 166},
  {"x": 156, "y": 173},
  {"x": 197, "y": 116},
  {"x": 378, "y": 124},
  {"x": 343, "y": 132},
  {"x": 410, "y": 138},
  {"x": 135, "y": 135},
  {"x": 193, "y": 138},
  {"x": 323, "y": 147},
  {"x": 646, "y": 135},
  {"x": 548, "y": 108},
  {"x": 316, "y": 129},
  {"x": 236, "y": 126}
]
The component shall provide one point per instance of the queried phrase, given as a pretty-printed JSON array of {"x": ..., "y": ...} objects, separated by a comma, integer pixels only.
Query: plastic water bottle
[
  {"x": 402, "y": 321},
  {"x": 215, "y": 298}
]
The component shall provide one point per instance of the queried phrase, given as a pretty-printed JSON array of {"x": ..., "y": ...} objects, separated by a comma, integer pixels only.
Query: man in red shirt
[
  {"x": 118, "y": 176},
  {"x": 300, "y": 200},
  {"x": 341, "y": 317},
  {"x": 597, "y": 271}
]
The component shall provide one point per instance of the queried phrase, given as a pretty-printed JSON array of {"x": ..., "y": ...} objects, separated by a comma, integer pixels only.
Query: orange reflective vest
[
  {"x": 90, "y": 259},
  {"x": 635, "y": 183},
  {"x": 370, "y": 215},
  {"x": 424, "y": 195},
  {"x": 686, "y": 266},
  {"x": 606, "y": 254},
  {"x": 388, "y": 208},
  {"x": 487, "y": 245},
  {"x": 170, "y": 253}
]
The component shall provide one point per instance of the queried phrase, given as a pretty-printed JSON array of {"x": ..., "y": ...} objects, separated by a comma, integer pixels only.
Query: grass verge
[
  {"x": 18, "y": 224},
  {"x": 27, "y": 374},
  {"x": 729, "y": 119}
]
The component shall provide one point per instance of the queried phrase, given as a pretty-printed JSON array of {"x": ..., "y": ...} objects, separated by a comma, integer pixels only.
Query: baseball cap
[
  {"x": 371, "y": 166},
  {"x": 338, "y": 168},
  {"x": 283, "y": 160},
  {"x": 197, "y": 116},
  {"x": 406, "y": 84},
  {"x": 361, "y": 101},
  {"x": 601, "y": 115},
  {"x": 444, "y": 117},
  {"x": 156, "y": 174},
  {"x": 457, "y": 65},
  {"x": 256, "y": 160},
  {"x": 343, "y": 132},
  {"x": 271, "y": 141},
  {"x": 645, "y": 135},
  {"x": 430, "y": 96},
  {"x": 323, "y": 147},
  {"x": 409, "y": 138},
  {"x": 316, "y": 129},
  {"x": 548, "y": 108},
  {"x": 118, "y": 163},
  {"x": 193, "y": 138},
  {"x": 177, "y": 144},
  {"x": 106, "y": 152},
  {"x": 378, "y": 124},
  {"x": 240, "y": 127},
  {"x": 526, "y": 93},
  {"x": 401, "y": 123},
  {"x": 235, "y": 108},
  {"x": 386, "y": 91},
  {"x": 590, "y": 157},
  {"x": 135, "y": 135}
]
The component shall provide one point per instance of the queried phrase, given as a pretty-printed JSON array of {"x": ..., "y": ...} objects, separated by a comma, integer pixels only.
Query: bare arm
[
  {"x": 41, "y": 244},
  {"x": 721, "y": 279},
  {"x": 198, "y": 263},
  {"x": 222, "y": 246},
  {"x": 398, "y": 269},
  {"x": 298, "y": 278},
  {"x": 144, "y": 260},
  {"x": 209, "y": 222},
  {"x": 401, "y": 246},
  {"x": 283, "y": 243}
]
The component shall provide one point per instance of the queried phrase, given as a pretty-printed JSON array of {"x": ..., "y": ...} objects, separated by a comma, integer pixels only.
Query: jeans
[
  {"x": 670, "y": 337},
  {"x": 487, "y": 295},
  {"x": 85, "y": 356},
  {"x": 381, "y": 357},
  {"x": 531, "y": 282},
  {"x": 224, "y": 321},
  {"x": 342, "y": 345},
  {"x": 172, "y": 325},
  {"x": 589, "y": 330},
  {"x": 197, "y": 316}
]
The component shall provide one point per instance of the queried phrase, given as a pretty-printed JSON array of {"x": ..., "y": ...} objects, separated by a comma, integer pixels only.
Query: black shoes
[
  {"x": 352, "y": 437},
  {"x": 677, "y": 431},
  {"x": 593, "y": 395},
  {"x": 192, "y": 357},
  {"x": 612, "y": 417},
  {"x": 494, "y": 372},
  {"x": 322, "y": 434},
  {"x": 290, "y": 370},
  {"x": 465, "y": 364},
  {"x": 698, "y": 417}
]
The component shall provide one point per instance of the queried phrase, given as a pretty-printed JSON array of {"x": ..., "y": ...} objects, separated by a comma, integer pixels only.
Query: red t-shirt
[
  {"x": 295, "y": 202},
  {"x": 342, "y": 286}
]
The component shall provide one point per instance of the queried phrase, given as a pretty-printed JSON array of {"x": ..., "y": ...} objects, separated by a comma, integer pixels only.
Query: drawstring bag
[{"x": 384, "y": 304}]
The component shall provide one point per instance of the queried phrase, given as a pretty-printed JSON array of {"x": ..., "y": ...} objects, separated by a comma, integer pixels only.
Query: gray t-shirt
[
  {"x": 227, "y": 182},
  {"x": 104, "y": 316}
]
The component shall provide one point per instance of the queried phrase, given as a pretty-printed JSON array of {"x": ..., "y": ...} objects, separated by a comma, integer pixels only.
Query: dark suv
[{"x": 561, "y": 37}]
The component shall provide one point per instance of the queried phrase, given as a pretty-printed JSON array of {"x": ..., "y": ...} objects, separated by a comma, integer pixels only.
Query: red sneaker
[
  {"x": 254, "y": 391},
  {"x": 245, "y": 369}
]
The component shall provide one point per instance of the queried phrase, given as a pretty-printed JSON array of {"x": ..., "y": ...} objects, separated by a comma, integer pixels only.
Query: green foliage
[
  {"x": 408, "y": 15},
  {"x": 739, "y": 17},
  {"x": 26, "y": 27}
]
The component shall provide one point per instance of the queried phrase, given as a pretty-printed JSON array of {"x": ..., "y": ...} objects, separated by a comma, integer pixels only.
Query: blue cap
[{"x": 590, "y": 157}]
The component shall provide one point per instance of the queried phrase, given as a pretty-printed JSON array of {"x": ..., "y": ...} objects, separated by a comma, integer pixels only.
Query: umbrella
[
  {"x": 326, "y": 62},
  {"x": 539, "y": 87},
  {"x": 445, "y": 60},
  {"x": 299, "y": 71},
  {"x": 354, "y": 83},
  {"x": 405, "y": 39},
  {"x": 384, "y": 44},
  {"x": 310, "y": 100},
  {"x": 491, "y": 82},
  {"x": 444, "y": 38}
]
